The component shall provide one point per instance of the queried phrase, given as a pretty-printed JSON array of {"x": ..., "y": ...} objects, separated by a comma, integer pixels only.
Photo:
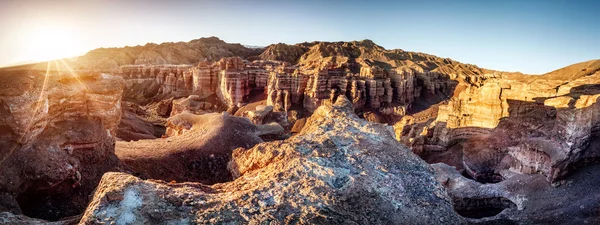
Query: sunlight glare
[{"x": 51, "y": 42}]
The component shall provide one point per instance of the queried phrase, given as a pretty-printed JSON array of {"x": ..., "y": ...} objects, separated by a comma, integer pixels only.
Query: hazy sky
[{"x": 527, "y": 36}]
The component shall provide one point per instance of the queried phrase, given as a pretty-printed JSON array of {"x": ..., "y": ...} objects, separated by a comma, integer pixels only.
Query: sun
[{"x": 51, "y": 42}]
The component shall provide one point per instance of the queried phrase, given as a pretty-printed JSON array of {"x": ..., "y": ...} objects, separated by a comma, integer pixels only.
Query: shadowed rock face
[
  {"x": 339, "y": 169},
  {"x": 197, "y": 149},
  {"x": 135, "y": 125},
  {"x": 525, "y": 198},
  {"x": 57, "y": 138}
]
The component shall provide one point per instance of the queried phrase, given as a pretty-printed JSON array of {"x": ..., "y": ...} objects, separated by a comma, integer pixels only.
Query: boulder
[
  {"x": 193, "y": 104},
  {"x": 298, "y": 125},
  {"x": 257, "y": 115}
]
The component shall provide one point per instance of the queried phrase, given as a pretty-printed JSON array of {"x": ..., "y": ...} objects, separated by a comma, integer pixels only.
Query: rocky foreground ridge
[{"x": 338, "y": 170}]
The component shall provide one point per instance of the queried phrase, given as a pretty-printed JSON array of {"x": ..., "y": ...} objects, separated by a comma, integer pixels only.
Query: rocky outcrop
[
  {"x": 339, "y": 169},
  {"x": 524, "y": 198},
  {"x": 230, "y": 78},
  {"x": 550, "y": 134},
  {"x": 172, "y": 79},
  {"x": 197, "y": 148},
  {"x": 232, "y": 86},
  {"x": 275, "y": 123},
  {"x": 134, "y": 125},
  {"x": 164, "y": 107},
  {"x": 192, "y": 104},
  {"x": 258, "y": 115},
  {"x": 57, "y": 132},
  {"x": 521, "y": 123},
  {"x": 204, "y": 78},
  {"x": 286, "y": 87}
]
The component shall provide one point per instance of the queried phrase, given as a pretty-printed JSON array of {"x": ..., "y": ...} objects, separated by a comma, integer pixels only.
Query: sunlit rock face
[
  {"x": 204, "y": 78},
  {"x": 371, "y": 88},
  {"x": 192, "y": 104},
  {"x": 286, "y": 86},
  {"x": 230, "y": 78},
  {"x": 232, "y": 87},
  {"x": 338, "y": 169},
  {"x": 525, "y": 124},
  {"x": 173, "y": 79},
  {"x": 57, "y": 137},
  {"x": 233, "y": 79}
]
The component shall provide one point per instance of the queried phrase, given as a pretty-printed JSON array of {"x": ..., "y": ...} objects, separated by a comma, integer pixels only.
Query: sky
[{"x": 529, "y": 36}]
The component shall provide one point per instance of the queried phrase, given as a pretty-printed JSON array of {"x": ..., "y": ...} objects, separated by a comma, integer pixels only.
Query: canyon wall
[
  {"x": 523, "y": 124},
  {"x": 57, "y": 137}
]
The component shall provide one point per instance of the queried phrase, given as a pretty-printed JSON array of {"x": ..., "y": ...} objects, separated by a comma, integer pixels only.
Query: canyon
[{"x": 321, "y": 132}]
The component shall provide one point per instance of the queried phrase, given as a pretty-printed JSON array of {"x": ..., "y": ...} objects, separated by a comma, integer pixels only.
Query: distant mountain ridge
[
  {"x": 306, "y": 54},
  {"x": 192, "y": 52}
]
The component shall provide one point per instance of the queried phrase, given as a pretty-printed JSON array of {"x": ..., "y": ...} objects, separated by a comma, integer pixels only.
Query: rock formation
[
  {"x": 520, "y": 123},
  {"x": 164, "y": 107},
  {"x": 371, "y": 76},
  {"x": 197, "y": 148},
  {"x": 524, "y": 198},
  {"x": 57, "y": 137},
  {"x": 134, "y": 125},
  {"x": 339, "y": 169},
  {"x": 258, "y": 115},
  {"x": 232, "y": 86},
  {"x": 192, "y": 104}
]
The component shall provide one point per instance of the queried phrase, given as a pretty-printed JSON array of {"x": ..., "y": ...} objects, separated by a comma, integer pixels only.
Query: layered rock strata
[
  {"x": 521, "y": 123},
  {"x": 391, "y": 91},
  {"x": 172, "y": 78},
  {"x": 57, "y": 137}
]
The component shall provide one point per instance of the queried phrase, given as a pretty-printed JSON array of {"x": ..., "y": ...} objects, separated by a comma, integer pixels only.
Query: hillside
[
  {"x": 192, "y": 52},
  {"x": 364, "y": 52},
  {"x": 307, "y": 54},
  {"x": 574, "y": 71}
]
